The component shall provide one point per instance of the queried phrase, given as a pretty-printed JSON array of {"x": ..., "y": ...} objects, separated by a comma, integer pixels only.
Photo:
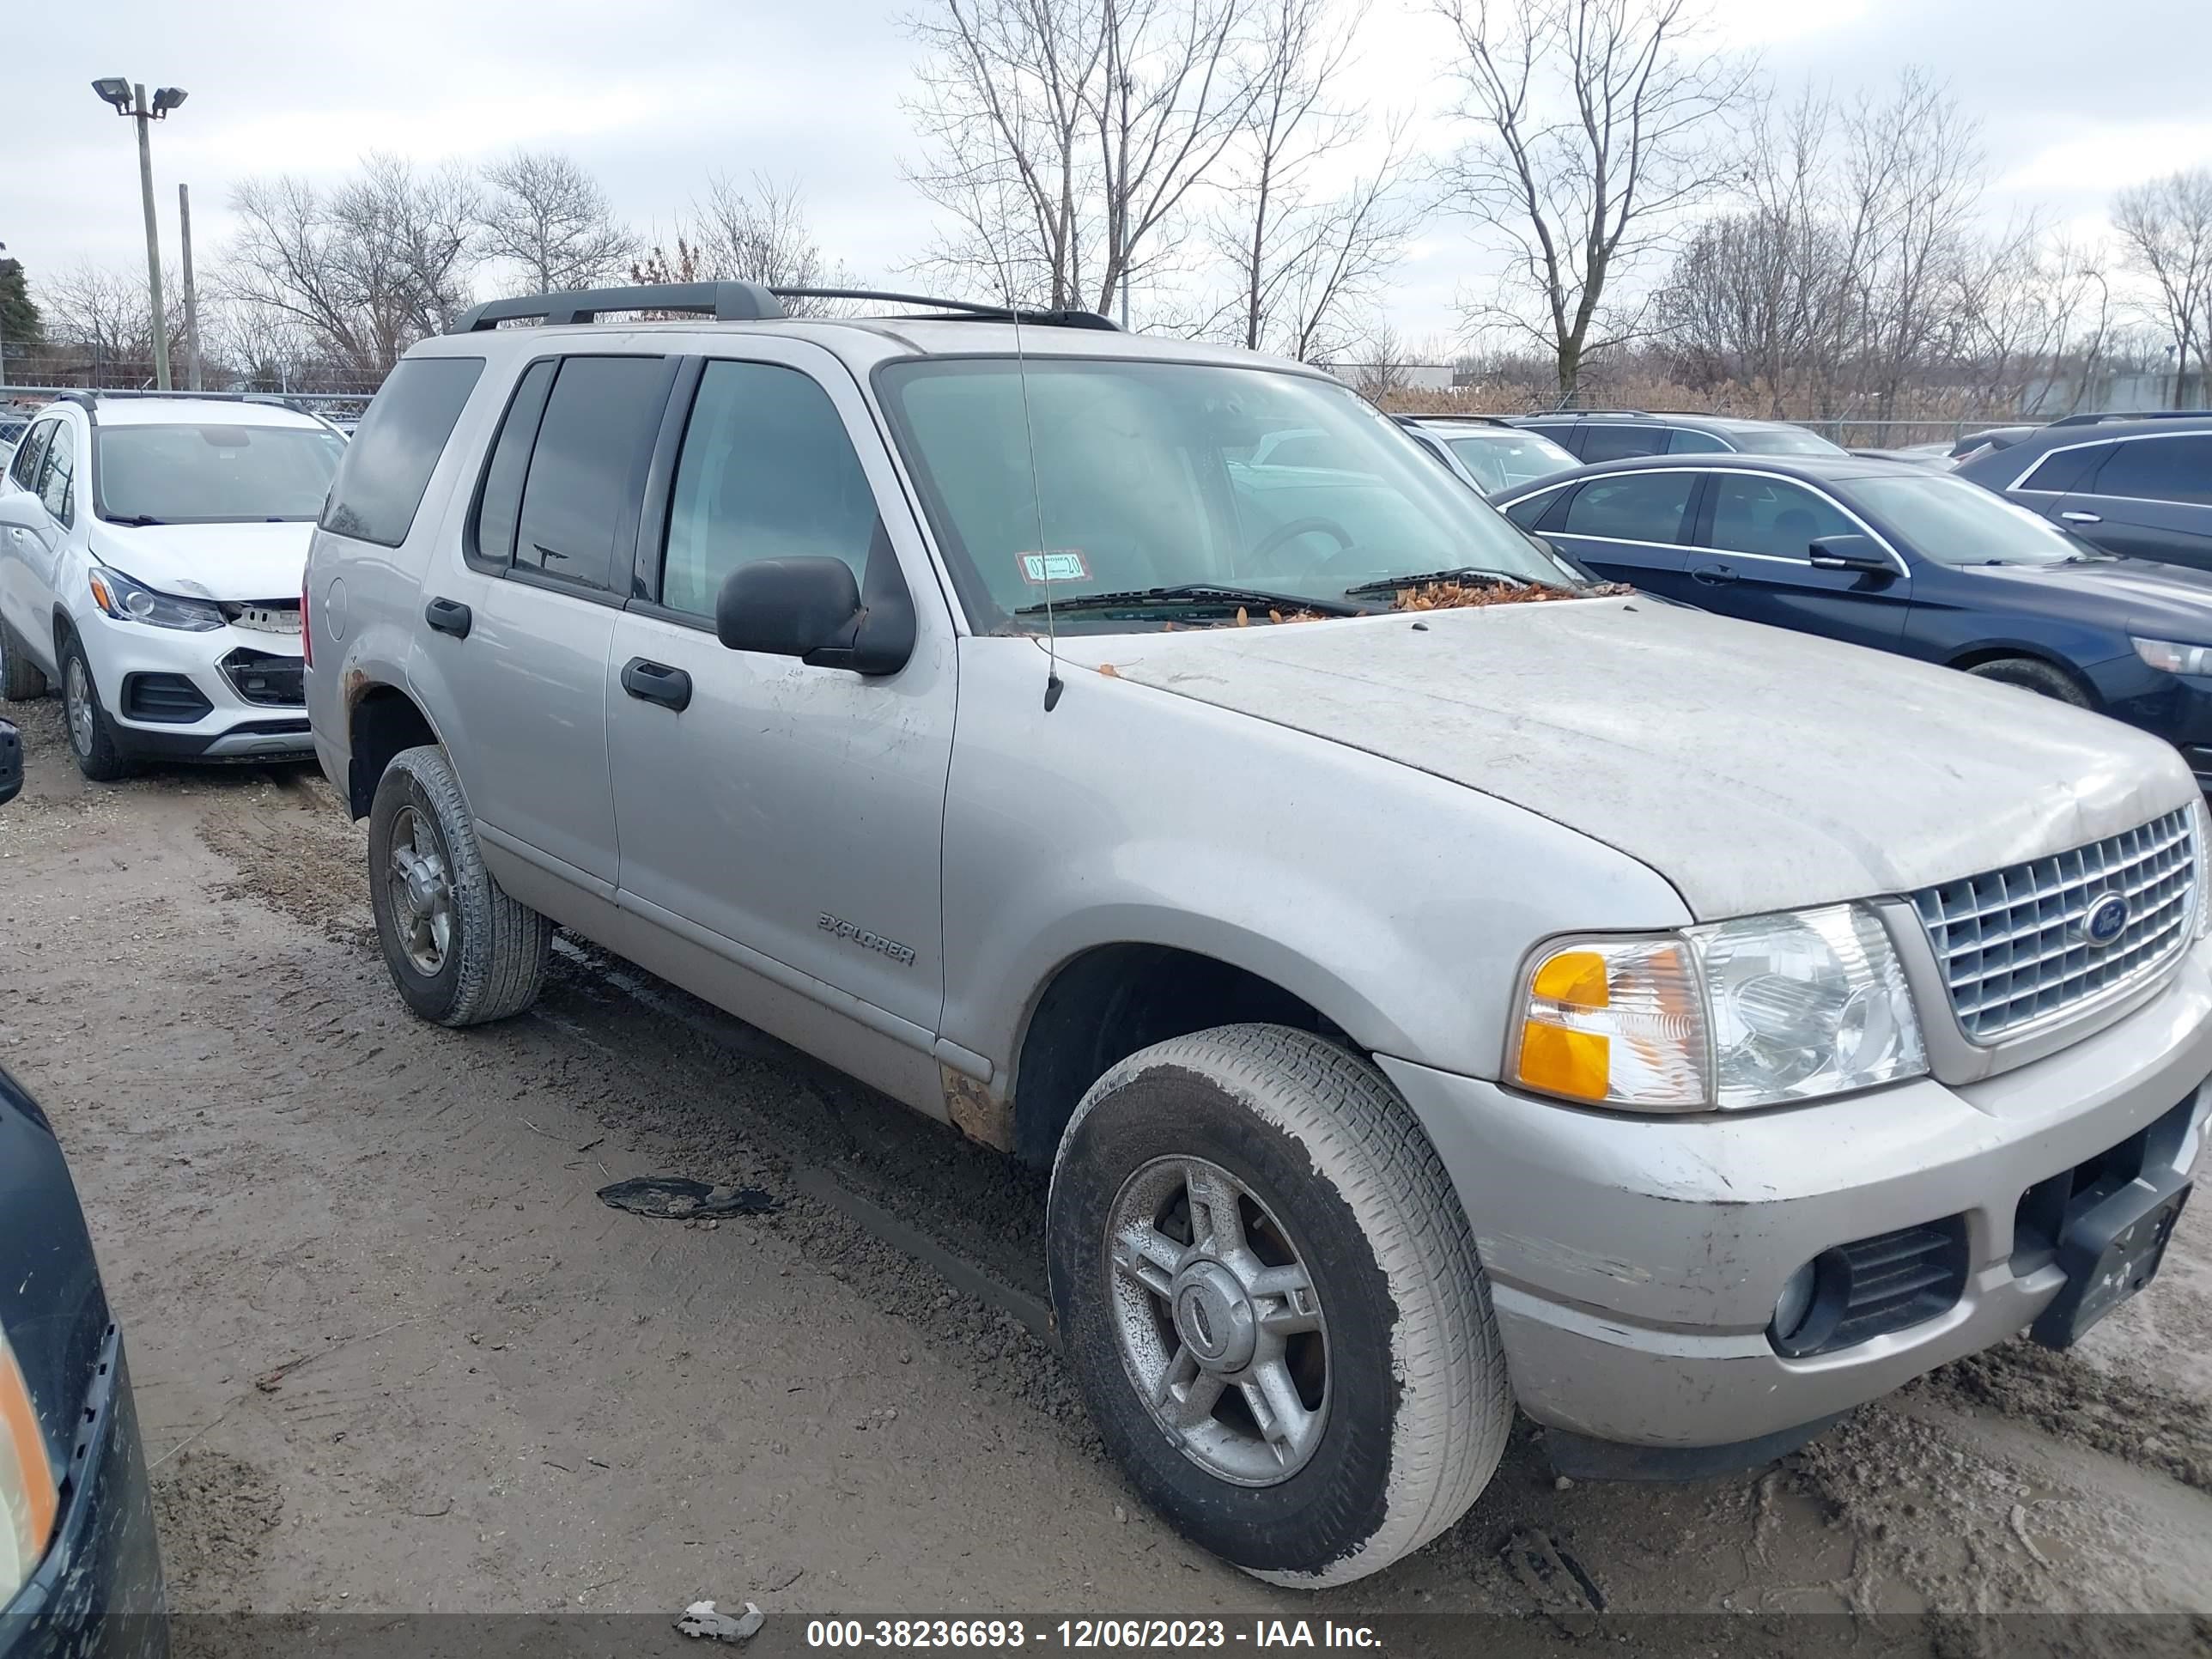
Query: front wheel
[
  {"x": 1271, "y": 1296},
  {"x": 91, "y": 734},
  {"x": 2030, "y": 675},
  {"x": 460, "y": 950}
]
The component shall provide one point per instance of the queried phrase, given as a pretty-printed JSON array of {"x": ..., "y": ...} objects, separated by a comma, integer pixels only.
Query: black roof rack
[
  {"x": 2134, "y": 415},
  {"x": 90, "y": 397},
  {"x": 732, "y": 302},
  {"x": 1422, "y": 417}
]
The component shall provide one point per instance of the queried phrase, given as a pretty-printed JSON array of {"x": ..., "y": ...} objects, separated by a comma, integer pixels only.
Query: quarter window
[
  {"x": 1632, "y": 506},
  {"x": 767, "y": 471},
  {"x": 58, "y": 473},
  {"x": 1752, "y": 514},
  {"x": 387, "y": 466},
  {"x": 2176, "y": 469},
  {"x": 1530, "y": 511},
  {"x": 588, "y": 468},
  {"x": 1684, "y": 441}
]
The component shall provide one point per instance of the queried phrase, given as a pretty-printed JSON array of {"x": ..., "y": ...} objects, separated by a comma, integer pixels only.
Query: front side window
[
  {"x": 23, "y": 469},
  {"x": 767, "y": 471},
  {"x": 387, "y": 466},
  {"x": 587, "y": 469},
  {"x": 1752, "y": 514},
  {"x": 1632, "y": 506},
  {"x": 1113, "y": 476},
  {"x": 2176, "y": 469},
  {"x": 223, "y": 473},
  {"x": 58, "y": 473}
]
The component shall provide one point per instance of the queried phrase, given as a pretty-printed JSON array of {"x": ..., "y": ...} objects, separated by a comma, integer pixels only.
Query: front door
[
  {"x": 1756, "y": 531},
  {"x": 2151, "y": 498},
  {"x": 766, "y": 808}
]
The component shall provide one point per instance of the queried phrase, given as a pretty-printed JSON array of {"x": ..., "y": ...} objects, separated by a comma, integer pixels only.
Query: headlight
[
  {"x": 1751, "y": 1012},
  {"x": 2172, "y": 658},
  {"x": 29, "y": 1494},
  {"x": 129, "y": 601}
]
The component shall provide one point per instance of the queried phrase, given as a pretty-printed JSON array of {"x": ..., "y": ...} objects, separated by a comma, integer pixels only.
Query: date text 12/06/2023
[{"x": 1079, "y": 1635}]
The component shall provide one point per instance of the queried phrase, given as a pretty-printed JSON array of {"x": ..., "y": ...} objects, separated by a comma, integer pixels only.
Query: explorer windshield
[
  {"x": 178, "y": 474},
  {"x": 1158, "y": 475}
]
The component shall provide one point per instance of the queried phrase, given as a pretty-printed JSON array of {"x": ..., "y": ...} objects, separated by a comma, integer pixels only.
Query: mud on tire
[
  {"x": 1416, "y": 1405},
  {"x": 488, "y": 959}
]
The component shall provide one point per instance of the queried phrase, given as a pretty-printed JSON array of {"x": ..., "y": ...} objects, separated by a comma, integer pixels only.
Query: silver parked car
[{"x": 1432, "y": 980}]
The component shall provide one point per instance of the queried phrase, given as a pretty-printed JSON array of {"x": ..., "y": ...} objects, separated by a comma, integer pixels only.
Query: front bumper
[
  {"x": 2175, "y": 707},
  {"x": 248, "y": 706},
  {"x": 99, "y": 1594},
  {"x": 1634, "y": 1263}
]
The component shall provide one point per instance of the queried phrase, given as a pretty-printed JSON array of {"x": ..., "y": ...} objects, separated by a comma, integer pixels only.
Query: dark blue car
[{"x": 1901, "y": 559}]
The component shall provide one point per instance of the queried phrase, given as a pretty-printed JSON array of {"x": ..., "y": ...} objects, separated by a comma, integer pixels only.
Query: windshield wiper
[
  {"x": 1464, "y": 572},
  {"x": 135, "y": 519},
  {"x": 1190, "y": 593}
]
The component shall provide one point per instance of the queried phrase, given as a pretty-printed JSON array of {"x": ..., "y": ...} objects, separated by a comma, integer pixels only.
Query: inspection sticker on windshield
[{"x": 1065, "y": 565}]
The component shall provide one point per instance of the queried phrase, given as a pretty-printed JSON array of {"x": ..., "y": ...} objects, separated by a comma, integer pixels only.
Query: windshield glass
[
  {"x": 217, "y": 473},
  {"x": 1781, "y": 440},
  {"x": 1953, "y": 522},
  {"x": 1163, "y": 474},
  {"x": 1504, "y": 460}
]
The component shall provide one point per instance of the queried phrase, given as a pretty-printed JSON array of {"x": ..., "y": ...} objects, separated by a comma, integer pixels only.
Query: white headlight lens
[
  {"x": 28, "y": 1491},
  {"x": 1805, "y": 1004},
  {"x": 1751, "y": 1012},
  {"x": 2174, "y": 659}
]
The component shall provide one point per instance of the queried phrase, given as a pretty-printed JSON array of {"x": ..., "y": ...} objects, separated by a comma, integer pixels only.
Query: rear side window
[
  {"x": 767, "y": 472},
  {"x": 2176, "y": 469},
  {"x": 388, "y": 465},
  {"x": 2067, "y": 469},
  {"x": 1635, "y": 506},
  {"x": 1609, "y": 442},
  {"x": 24, "y": 469},
  {"x": 499, "y": 503},
  {"x": 587, "y": 473}
]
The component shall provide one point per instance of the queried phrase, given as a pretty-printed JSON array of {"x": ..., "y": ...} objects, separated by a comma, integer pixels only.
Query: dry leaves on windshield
[{"x": 1454, "y": 596}]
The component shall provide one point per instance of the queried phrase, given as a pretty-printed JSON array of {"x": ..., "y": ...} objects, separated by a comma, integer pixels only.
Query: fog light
[{"x": 1795, "y": 1301}]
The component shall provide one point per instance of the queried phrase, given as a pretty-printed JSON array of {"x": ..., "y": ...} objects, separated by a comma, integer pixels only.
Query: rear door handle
[
  {"x": 2082, "y": 518},
  {"x": 1712, "y": 575},
  {"x": 449, "y": 617},
  {"x": 656, "y": 681}
]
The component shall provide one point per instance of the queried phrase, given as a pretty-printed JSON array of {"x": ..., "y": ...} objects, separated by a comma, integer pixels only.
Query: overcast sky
[{"x": 2078, "y": 98}]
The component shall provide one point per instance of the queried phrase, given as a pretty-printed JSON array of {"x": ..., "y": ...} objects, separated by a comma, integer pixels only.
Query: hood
[
  {"x": 1755, "y": 769},
  {"x": 256, "y": 561},
  {"x": 2159, "y": 601}
]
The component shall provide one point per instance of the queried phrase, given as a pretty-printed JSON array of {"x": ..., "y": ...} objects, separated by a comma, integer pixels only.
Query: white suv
[{"x": 150, "y": 557}]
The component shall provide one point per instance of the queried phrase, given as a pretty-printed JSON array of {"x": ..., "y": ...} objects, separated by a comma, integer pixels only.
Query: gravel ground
[{"x": 392, "y": 1353}]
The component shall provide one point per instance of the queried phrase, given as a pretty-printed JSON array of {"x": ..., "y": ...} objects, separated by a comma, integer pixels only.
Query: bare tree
[
  {"x": 1066, "y": 137},
  {"x": 1595, "y": 127},
  {"x": 548, "y": 219},
  {"x": 102, "y": 320},
  {"x": 367, "y": 269},
  {"x": 2166, "y": 229},
  {"x": 761, "y": 234}
]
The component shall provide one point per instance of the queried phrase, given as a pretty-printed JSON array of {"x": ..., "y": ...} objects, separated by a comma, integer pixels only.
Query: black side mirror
[
  {"x": 11, "y": 764},
  {"x": 1862, "y": 553},
  {"x": 812, "y": 609}
]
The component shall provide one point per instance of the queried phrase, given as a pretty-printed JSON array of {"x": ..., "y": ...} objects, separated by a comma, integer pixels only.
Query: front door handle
[
  {"x": 2082, "y": 518},
  {"x": 449, "y": 617},
  {"x": 656, "y": 681},
  {"x": 1712, "y": 575}
]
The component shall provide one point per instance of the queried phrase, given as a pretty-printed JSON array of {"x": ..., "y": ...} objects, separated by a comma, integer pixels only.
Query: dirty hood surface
[
  {"x": 237, "y": 562},
  {"x": 1754, "y": 768}
]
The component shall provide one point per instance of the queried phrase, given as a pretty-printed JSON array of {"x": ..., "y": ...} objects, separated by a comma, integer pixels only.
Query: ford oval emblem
[{"x": 2106, "y": 919}]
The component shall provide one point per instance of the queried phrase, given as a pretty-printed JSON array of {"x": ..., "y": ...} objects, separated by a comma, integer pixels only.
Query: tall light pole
[{"x": 131, "y": 100}]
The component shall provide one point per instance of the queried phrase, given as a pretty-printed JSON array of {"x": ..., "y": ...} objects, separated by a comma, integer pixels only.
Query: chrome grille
[{"x": 2009, "y": 943}]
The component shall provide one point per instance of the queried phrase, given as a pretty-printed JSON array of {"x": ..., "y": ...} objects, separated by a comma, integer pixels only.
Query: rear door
[
  {"x": 1754, "y": 535},
  {"x": 1628, "y": 526},
  {"x": 520, "y": 622},
  {"x": 2150, "y": 498}
]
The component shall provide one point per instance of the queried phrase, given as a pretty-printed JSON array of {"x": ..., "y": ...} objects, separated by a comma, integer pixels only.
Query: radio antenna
[{"x": 1052, "y": 682}]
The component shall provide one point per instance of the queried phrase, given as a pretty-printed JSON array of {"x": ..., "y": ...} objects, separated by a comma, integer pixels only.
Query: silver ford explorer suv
[{"x": 1433, "y": 982}]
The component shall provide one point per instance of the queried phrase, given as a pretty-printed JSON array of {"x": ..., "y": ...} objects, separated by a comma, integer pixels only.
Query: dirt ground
[{"x": 392, "y": 1353}]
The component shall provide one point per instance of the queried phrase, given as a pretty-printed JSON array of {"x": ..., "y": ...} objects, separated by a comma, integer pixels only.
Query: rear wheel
[
  {"x": 21, "y": 679},
  {"x": 91, "y": 735},
  {"x": 1271, "y": 1296},
  {"x": 460, "y": 950},
  {"x": 2029, "y": 675}
]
